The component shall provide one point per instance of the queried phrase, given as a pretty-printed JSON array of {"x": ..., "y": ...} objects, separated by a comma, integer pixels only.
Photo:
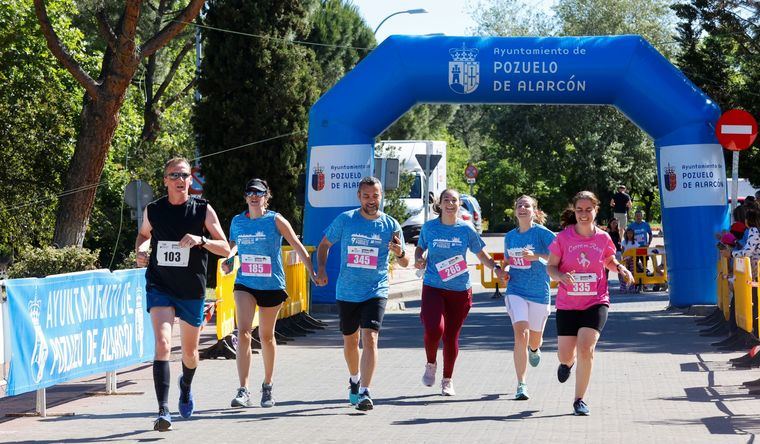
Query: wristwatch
[
  {"x": 403, "y": 253},
  {"x": 203, "y": 241},
  {"x": 496, "y": 266}
]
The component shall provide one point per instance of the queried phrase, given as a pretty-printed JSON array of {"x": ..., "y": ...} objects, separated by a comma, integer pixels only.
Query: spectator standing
[{"x": 621, "y": 202}]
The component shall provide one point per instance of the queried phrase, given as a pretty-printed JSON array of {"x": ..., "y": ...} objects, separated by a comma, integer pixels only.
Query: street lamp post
[{"x": 410, "y": 11}]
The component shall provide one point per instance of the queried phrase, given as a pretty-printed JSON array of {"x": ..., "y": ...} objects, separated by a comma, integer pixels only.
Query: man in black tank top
[{"x": 174, "y": 228}]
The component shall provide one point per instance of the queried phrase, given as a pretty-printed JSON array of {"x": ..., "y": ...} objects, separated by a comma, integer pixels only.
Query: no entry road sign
[{"x": 736, "y": 130}]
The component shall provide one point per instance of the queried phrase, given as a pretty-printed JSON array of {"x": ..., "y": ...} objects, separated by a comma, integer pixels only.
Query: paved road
[{"x": 655, "y": 380}]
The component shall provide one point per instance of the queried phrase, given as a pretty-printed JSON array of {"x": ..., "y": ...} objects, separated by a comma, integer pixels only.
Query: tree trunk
[{"x": 99, "y": 121}]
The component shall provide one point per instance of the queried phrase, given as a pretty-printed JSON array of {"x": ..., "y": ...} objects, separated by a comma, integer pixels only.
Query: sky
[{"x": 444, "y": 16}]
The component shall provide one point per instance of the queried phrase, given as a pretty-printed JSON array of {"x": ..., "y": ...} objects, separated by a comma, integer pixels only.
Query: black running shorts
[
  {"x": 570, "y": 321},
  {"x": 366, "y": 314}
]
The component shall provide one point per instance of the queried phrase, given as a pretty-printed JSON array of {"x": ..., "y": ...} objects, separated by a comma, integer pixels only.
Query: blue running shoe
[
  {"x": 186, "y": 401},
  {"x": 164, "y": 421},
  {"x": 580, "y": 408},
  {"x": 365, "y": 402},
  {"x": 353, "y": 392},
  {"x": 522, "y": 392},
  {"x": 563, "y": 372},
  {"x": 267, "y": 400},
  {"x": 534, "y": 357}
]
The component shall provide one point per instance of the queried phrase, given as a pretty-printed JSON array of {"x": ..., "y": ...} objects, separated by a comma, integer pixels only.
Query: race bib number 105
[{"x": 170, "y": 254}]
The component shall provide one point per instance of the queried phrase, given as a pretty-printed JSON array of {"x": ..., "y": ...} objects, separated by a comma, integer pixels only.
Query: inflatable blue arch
[{"x": 623, "y": 71}]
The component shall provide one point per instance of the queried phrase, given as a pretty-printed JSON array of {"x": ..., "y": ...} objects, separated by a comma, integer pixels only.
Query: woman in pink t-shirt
[{"x": 577, "y": 259}]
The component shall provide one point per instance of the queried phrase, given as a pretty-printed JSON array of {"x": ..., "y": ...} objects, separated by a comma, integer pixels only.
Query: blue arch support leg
[{"x": 622, "y": 71}]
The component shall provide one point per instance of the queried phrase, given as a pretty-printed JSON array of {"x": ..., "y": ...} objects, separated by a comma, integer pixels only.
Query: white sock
[
  {"x": 363, "y": 390},
  {"x": 355, "y": 378}
]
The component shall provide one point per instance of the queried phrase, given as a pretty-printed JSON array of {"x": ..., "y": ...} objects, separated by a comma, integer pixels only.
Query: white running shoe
[
  {"x": 428, "y": 378},
  {"x": 447, "y": 387},
  {"x": 242, "y": 398}
]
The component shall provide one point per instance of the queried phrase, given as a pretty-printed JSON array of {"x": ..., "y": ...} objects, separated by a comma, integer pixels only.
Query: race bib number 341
[
  {"x": 362, "y": 257},
  {"x": 170, "y": 254},
  {"x": 584, "y": 285},
  {"x": 516, "y": 259}
]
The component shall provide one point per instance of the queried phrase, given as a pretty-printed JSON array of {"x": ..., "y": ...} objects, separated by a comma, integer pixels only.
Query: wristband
[
  {"x": 402, "y": 255},
  {"x": 496, "y": 266},
  {"x": 203, "y": 241}
]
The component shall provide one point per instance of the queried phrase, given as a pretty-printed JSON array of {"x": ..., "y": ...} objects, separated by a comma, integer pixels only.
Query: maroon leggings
[{"x": 443, "y": 312}]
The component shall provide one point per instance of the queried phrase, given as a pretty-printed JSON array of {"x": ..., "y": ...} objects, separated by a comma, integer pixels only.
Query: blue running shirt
[
  {"x": 447, "y": 253},
  {"x": 259, "y": 244},
  {"x": 528, "y": 279},
  {"x": 363, "y": 254}
]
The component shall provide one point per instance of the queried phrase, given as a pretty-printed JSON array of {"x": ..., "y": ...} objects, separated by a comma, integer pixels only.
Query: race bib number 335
[
  {"x": 362, "y": 257},
  {"x": 170, "y": 254},
  {"x": 584, "y": 285}
]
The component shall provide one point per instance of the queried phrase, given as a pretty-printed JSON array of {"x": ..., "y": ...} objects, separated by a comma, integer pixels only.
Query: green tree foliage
[
  {"x": 423, "y": 122},
  {"x": 254, "y": 89},
  {"x": 720, "y": 53},
  {"x": 45, "y": 261},
  {"x": 38, "y": 108},
  {"x": 342, "y": 37},
  {"x": 552, "y": 152}
]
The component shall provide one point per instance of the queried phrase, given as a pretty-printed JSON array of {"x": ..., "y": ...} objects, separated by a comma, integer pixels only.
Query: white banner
[
  {"x": 335, "y": 172},
  {"x": 692, "y": 175}
]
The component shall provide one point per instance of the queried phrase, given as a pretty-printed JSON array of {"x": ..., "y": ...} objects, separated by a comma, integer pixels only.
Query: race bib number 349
[
  {"x": 170, "y": 254},
  {"x": 584, "y": 285},
  {"x": 362, "y": 257},
  {"x": 451, "y": 268}
]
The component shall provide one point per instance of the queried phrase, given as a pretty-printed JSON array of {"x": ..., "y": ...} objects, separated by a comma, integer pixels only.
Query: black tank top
[{"x": 171, "y": 223}]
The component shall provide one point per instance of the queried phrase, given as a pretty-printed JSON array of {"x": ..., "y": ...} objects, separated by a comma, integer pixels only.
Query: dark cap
[{"x": 256, "y": 185}]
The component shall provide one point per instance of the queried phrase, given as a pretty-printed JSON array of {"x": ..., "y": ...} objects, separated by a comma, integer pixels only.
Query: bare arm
[
  {"x": 612, "y": 264},
  {"x": 284, "y": 227},
  {"x": 552, "y": 268},
  {"x": 395, "y": 247},
  {"x": 218, "y": 243},
  {"x": 142, "y": 243},
  {"x": 419, "y": 260},
  {"x": 322, "y": 252}
]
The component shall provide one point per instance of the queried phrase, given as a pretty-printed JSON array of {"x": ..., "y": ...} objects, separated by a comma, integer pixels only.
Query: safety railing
[
  {"x": 724, "y": 282},
  {"x": 488, "y": 278},
  {"x": 292, "y": 320},
  {"x": 648, "y": 265},
  {"x": 70, "y": 326}
]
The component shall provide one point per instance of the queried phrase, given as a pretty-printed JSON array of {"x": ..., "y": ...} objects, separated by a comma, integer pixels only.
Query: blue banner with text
[{"x": 73, "y": 325}]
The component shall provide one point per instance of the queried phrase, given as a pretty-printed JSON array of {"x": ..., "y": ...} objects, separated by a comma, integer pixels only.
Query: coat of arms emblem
[{"x": 464, "y": 70}]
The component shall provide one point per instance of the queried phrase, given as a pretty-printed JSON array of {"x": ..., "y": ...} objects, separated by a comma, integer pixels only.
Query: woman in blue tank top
[{"x": 256, "y": 237}]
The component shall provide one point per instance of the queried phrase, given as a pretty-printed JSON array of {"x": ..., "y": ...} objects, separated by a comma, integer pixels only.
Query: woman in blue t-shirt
[
  {"x": 527, "y": 296},
  {"x": 446, "y": 290},
  {"x": 256, "y": 237}
]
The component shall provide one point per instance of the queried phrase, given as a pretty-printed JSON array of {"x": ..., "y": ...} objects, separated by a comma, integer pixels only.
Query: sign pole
[{"x": 734, "y": 183}]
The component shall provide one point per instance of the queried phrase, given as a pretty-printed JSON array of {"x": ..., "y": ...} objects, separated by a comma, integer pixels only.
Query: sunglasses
[
  {"x": 255, "y": 193},
  {"x": 175, "y": 176}
]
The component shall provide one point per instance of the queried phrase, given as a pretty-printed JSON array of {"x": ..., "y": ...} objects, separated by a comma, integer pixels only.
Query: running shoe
[
  {"x": 563, "y": 372},
  {"x": 365, "y": 402},
  {"x": 534, "y": 357},
  {"x": 186, "y": 401},
  {"x": 164, "y": 421},
  {"x": 522, "y": 392},
  {"x": 428, "y": 378},
  {"x": 353, "y": 392},
  {"x": 447, "y": 387},
  {"x": 266, "y": 395},
  {"x": 580, "y": 408},
  {"x": 242, "y": 399}
]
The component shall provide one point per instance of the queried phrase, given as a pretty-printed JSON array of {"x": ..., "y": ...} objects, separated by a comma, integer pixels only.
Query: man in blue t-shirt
[
  {"x": 366, "y": 237},
  {"x": 641, "y": 230}
]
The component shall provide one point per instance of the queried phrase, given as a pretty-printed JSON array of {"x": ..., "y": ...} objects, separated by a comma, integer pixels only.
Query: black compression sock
[
  {"x": 187, "y": 375},
  {"x": 161, "y": 382}
]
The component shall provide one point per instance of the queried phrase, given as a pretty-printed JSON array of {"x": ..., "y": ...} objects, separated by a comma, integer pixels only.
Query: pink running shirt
[{"x": 585, "y": 256}]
